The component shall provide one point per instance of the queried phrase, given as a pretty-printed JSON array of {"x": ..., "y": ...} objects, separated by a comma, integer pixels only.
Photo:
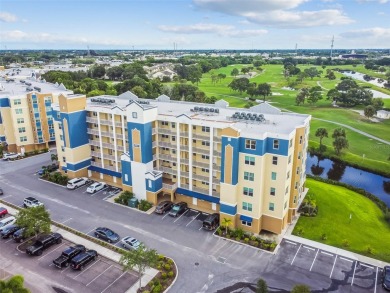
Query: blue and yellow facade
[{"x": 250, "y": 171}]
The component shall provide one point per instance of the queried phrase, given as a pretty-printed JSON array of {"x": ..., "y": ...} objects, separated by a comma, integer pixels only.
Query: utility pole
[{"x": 331, "y": 48}]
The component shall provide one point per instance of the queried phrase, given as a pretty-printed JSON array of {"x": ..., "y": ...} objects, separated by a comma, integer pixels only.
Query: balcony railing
[
  {"x": 154, "y": 144},
  {"x": 96, "y": 154},
  {"x": 200, "y": 164},
  {"x": 205, "y": 136},
  {"x": 201, "y": 190},
  {"x": 93, "y": 131},
  {"x": 169, "y": 186},
  {"x": 166, "y": 144},
  {"x": 217, "y": 139},
  {"x": 217, "y": 153},
  {"x": 201, "y": 151},
  {"x": 167, "y": 170},
  {"x": 167, "y": 158},
  {"x": 200, "y": 177},
  {"x": 185, "y": 186},
  {"x": 92, "y": 120},
  {"x": 96, "y": 164},
  {"x": 94, "y": 142},
  {"x": 166, "y": 131},
  {"x": 216, "y": 193}
]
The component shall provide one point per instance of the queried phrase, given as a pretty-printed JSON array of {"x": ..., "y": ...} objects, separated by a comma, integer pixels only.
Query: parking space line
[
  {"x": 165, "y": 216},
  {"x": 333, "y": 267},
  {"x": 354, "y": 270},
  {"x": 91, "y": 231},
  {"x": 307, "y": 247},
  {"x": 343, "y": 258},
  {"x": 9, "y": 240},
  {"x": 114, "y": 282},
  {"x": 65, "y": 269},
  {"x": 99, "y": 275},
  {"x": 327, "y": 253},
  {"x": 376, "y": 279},
  {"x": 66, "y": 220},
  {"x": 93, "y": 194},
  {"x": 314, "y": 260},
  {"x": 51, "y": 251},
  {"x": 181, "y": 216},
  {"x": 9, "y": 195},
  {"x": 193, "y": 219},
  {"x": 367, "y": 266},
  {"x": 200, "y": 228},
  {"x": 296, "y": 253},
  {"x": 293, "y": 243},
  {"x": 87, "y": 268}
]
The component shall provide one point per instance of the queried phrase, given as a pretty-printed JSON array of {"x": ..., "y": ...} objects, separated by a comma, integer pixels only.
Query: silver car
[{"x": 130, "y": 243}]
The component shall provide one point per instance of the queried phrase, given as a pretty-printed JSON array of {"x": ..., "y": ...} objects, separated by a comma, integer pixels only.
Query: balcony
[
  {"x": 200, "y": 164},
  {"x": 94, "y": 142},
  {"x": 184, "y": 161},
  {"x": 216, "y": 180},
  {"x": 216, "y": 193},
  {"x": 96, "y": 154},
  {"x": 184, "y": 174},
  {"x": 201, "y": 190},
  {"x": 200, "y": 177},
  {"x": 201, "y": 151},
  {"x": 167, "y": 170},
  {"x": 169, "y": 184},
  {"x": 166, "y": 145},
  {"x": 154, "y": 144},
  {"x": 203, "y": 136},
  {"x": 217, "y": 139},
  {"x": 166, "y": 131},
  {"x": 119, "y": 124},
  {"x": 167, "y": 158},
  {"x": 185, "y": 186},
  {"x": 120, "y": 148},
  {"x": 96, "y": 164},
  {"x": 217, "y": 153},
  {"x": 184, "y": 133},
  {"x": 92, "y": 120},
  {"x": 93, "y": 131},
  {"x": 105, "y": 122}
]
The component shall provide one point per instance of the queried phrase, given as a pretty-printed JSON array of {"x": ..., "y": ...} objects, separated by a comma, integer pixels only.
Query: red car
[{"x": 3, "y": 212}]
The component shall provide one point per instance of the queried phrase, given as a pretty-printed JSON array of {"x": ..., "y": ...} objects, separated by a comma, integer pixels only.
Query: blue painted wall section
[
  {"x": 4, "y": 102},
  {"x": 197, "y": 195},
  {"x": 265, "y": 146},
  {"x": 146, "y": 140},
  {"x": 226, "y": 209},
  {"x": 234, "y": 142},
  {"x": 155, "y": 185},
  {"x": 2, "y": 138},
  {"x": 126, "y": 169},
  {"x": 78, "y": 166},
  {"x": 245, "y": 218},
  {"x": 77, "y": 128},
  {"x": 104, "y": 171}
]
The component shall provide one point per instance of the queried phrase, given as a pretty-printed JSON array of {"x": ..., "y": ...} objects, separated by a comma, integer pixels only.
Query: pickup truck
[
  {"x": 66, "y": 256},
  {"x": 43, "y": 243}
]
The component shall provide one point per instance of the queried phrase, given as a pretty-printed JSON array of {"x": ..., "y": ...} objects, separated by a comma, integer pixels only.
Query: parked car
[
  {"x": 163, "y": 207},
  {"x": 1, "y": 191},
  {"x": 18, "y": 235},
  {"x": 3, "y": 212},
  {"x": 48, "y": 168},
  {"x": 67, "y": 255},
  {"x": 178, "y": 209},
  {"x": 386, "y": 278},
  {"x": 95, "y": 187},
  {"x": 106, "y": 234},
  {"x": 11, "y": 156},
  {"x": 80, "y": 261},
  {"x": 211, "y": 222},
  {"x": 43, "y": 243},
  {"x": 7, "y": 232},
  {"x": 31, "y": 202},
  {"x": 130, "y": 243},
  {"x": 6, "y": 222},
  {"x": 77, "y": 182}
]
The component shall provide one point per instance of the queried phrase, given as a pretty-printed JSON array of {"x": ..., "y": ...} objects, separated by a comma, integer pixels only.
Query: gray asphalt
[{"x": 206, "y": 263}]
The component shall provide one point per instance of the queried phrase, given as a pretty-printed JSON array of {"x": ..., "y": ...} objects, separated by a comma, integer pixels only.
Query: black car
[
  {"x": 211, "y": 222},
  {"x": 386, "y": 278},
  {"x": 178, "y": 209},
  {"x": 44, "y": 242},
  {"x": 67, "y": 255},
  {"x": 163, "y": 207},
  {"x": 7, "y": 232},
  {"x": 80, "y": 261},
  {"x": 106, "y": 234},
  {"x": 1, "y": 191},
  {"x": 18, "y": 235}
]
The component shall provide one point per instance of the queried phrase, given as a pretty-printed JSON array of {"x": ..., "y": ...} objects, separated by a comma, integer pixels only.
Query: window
[
  {"x": 205, "y": 170},
  {"x": 205, "y": 157},
  {"x": 20, "y": 120},
  {"x": 285, "y": 204},
  {"x": 286, "y": 190},
  {"x": 272, "y": 191},
  {"x": 61, "y": 137},
  {"x": 205, "y": 183},
  {"x": 205, "y": 129},
  {"x": 273, "y": 175},
  {"x": 173, "y": 151},
  {"x": 23, "y": 138},
  {"x": 290, "y": 145},
  {"x": 289, "y": 159},
  {"x": 205, "y": 143},
  {"x": 164, "y": 123},
  {"x": 274, "y": 160},
  {"x": 300, "y": 139},
  {"x": 248, "y": 191},
  {"x": 164, "y": 135},
  {"x": 249, "y": 160},
  {"x": 18, "y": 111},
  {"x": 245, "y": 223},
  {"x": 94, "y": 113},
  {"x": 194, "y": 141},
  {"x": 126, "y": 177},
  {"x": 194, "y": 127},
  {"x": 22, "y": 129},
  {"x": 288, "y": 174},
  {"x": 96, "y": 136},
  {"x": 296, "y": 185},
  {"x": 17, "y": 102},
  {"x": 150, "y": 183},
  {"x": 173, "y": 124},
  {"x": 250, "y": 144},
  {"x": 63, "y": 149},
  {"x": 295, "y": 199},
  {"x": 64, "y": 159},
  {"x": 249, "y": 176},
  {"x": 299, "y": 155},
  {"x": 173, "y": 164},
  {"x": 271, "y": 206},
  {"x": 247, "y": 206},
  {"x": 276, "y": 144},
  {"x": 173, "y": 138},
  {"x": 297, "y": 170}
]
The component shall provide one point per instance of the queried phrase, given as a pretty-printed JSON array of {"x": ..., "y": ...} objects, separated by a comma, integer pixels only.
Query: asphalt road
[{"x": 206, "y": 263}]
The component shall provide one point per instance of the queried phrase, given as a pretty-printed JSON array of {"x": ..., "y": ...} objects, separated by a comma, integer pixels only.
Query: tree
[
  {"x": 330, "y": 74},
  {"x": 234, "y": 72},
  {"x": 139, "y": 259},
  {"x": 264, "y": 89},
  {"x": 369, "y": 111},
  {"x": 340, "y": 143},
  {"x": 54, "y": 157},
  {"x": 301, "y": 96},
  {"x": 311, "y": 72},
  {"x": 35, "y": 220},
  {"x": 339, "y": 132},
  {"x": 13, "y": 285},
  {"x": 261, "y": 286},
  {"x": 378, "y": 103},
  {"x": 300, "y": 289},
  {"x": 225, "y": 223},
  {"x": 347, "y": 84},
  {"x": 314, "y": 95},
  {"x": 333, "y": 95},
  {"x": 321, "y": 133},
  {"x": 239, "y": 84},
  {"x": 245, "y": 70},
  {"x": 139, "y": 92}
]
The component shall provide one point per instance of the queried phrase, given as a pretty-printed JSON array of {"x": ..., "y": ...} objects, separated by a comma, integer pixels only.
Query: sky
[{"x": 194, "y": 24}]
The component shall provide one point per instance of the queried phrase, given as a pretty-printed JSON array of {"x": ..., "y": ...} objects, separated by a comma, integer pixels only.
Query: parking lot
[
  {"x": 101, "y": 275},
  {"x": 341, "y": 270}
]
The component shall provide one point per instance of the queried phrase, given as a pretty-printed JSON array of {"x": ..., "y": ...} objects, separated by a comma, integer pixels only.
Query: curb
[
  {"x": 52, "y": 183},
  {"x": 174, "y": 280},
  {"x": 148, "y": 212}
]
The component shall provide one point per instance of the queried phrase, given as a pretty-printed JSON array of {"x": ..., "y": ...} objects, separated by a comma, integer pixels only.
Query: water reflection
[{"x": 337, "y": 171}]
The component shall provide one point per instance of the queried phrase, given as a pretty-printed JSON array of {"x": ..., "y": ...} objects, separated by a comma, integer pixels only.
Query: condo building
[
  {"x": 26, "y": 121},
  {"x": 248, "y": 165}
]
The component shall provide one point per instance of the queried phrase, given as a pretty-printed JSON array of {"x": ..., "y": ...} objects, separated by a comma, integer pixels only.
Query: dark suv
[
  {"x": 43, "y": 243},
  {"x": 106, "y": 234},
  {"x": 18, "y": 236},
  {"x": 163, "y": 207},
  {"x": 178, "y": 209},
  {"x": 67, "y": 255},
  {"x": 211, "y": 222},
  {"x": 80, "y": 261},
  {"x": 386, "y": 278}
]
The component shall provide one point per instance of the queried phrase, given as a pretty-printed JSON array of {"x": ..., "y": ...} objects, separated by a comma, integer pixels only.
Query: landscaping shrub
[
  {"x": 246, "y": 240},
  {"x": 124, "y": 197},
  {"x": 300, "y": 231},
  {"x": 345, "y": 243},
  {"x": 369, "y": 250},
  {"x": 323, "y": 236},
  {"x": 253, "y": 238},
  {"x": 167, "y": 267},
  {"x": 164, "y": 275},
  {"x": 170, "y": 274},
  {"x": 144, "y": 205}
]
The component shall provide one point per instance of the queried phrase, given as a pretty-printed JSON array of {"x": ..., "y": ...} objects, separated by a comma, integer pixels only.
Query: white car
[
  {"x": 77, "y": 182},
  {"x": 4, "y": 223},
  {"x": 130, "y": 243},
  {"x": 10, "y": 156},
  {"x": 31, "y": 202},
  {"x": 95, "y": 187}
]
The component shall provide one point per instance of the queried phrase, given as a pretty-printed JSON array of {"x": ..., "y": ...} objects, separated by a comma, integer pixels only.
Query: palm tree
[
  {"x": 225, "y": 223},
  {"x": 321, "y": 133}
]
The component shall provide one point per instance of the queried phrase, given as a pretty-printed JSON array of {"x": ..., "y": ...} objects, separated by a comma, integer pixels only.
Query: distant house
[{"x": 383, "y": 114}]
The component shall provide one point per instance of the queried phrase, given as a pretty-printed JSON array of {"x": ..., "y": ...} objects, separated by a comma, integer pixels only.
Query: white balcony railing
[{"x": 170, "y": 186}]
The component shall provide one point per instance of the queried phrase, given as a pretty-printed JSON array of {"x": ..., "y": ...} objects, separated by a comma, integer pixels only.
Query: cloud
[
  {"x": 378, "y": 1},
  {"x": 7, "y": 17},
  {"x": 375, "y": 32},
  {"x": 211, "y": 28},
  {"x": 276, "y": 13}
]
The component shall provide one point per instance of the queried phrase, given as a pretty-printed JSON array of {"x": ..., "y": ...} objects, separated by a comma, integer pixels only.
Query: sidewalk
[{"x": 114, "y": 256}]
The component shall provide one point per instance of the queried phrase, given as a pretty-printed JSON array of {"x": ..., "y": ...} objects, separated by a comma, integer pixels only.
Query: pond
[
  {"x": 359, "y": 76},
  {"x": 328, "y": 169}
]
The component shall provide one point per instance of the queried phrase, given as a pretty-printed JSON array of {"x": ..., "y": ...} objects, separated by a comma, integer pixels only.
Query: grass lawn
[{"x": 335, "y": 205}]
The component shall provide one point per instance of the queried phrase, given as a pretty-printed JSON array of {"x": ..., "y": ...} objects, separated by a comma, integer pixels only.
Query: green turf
[{"x": 335, "y": 205}]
